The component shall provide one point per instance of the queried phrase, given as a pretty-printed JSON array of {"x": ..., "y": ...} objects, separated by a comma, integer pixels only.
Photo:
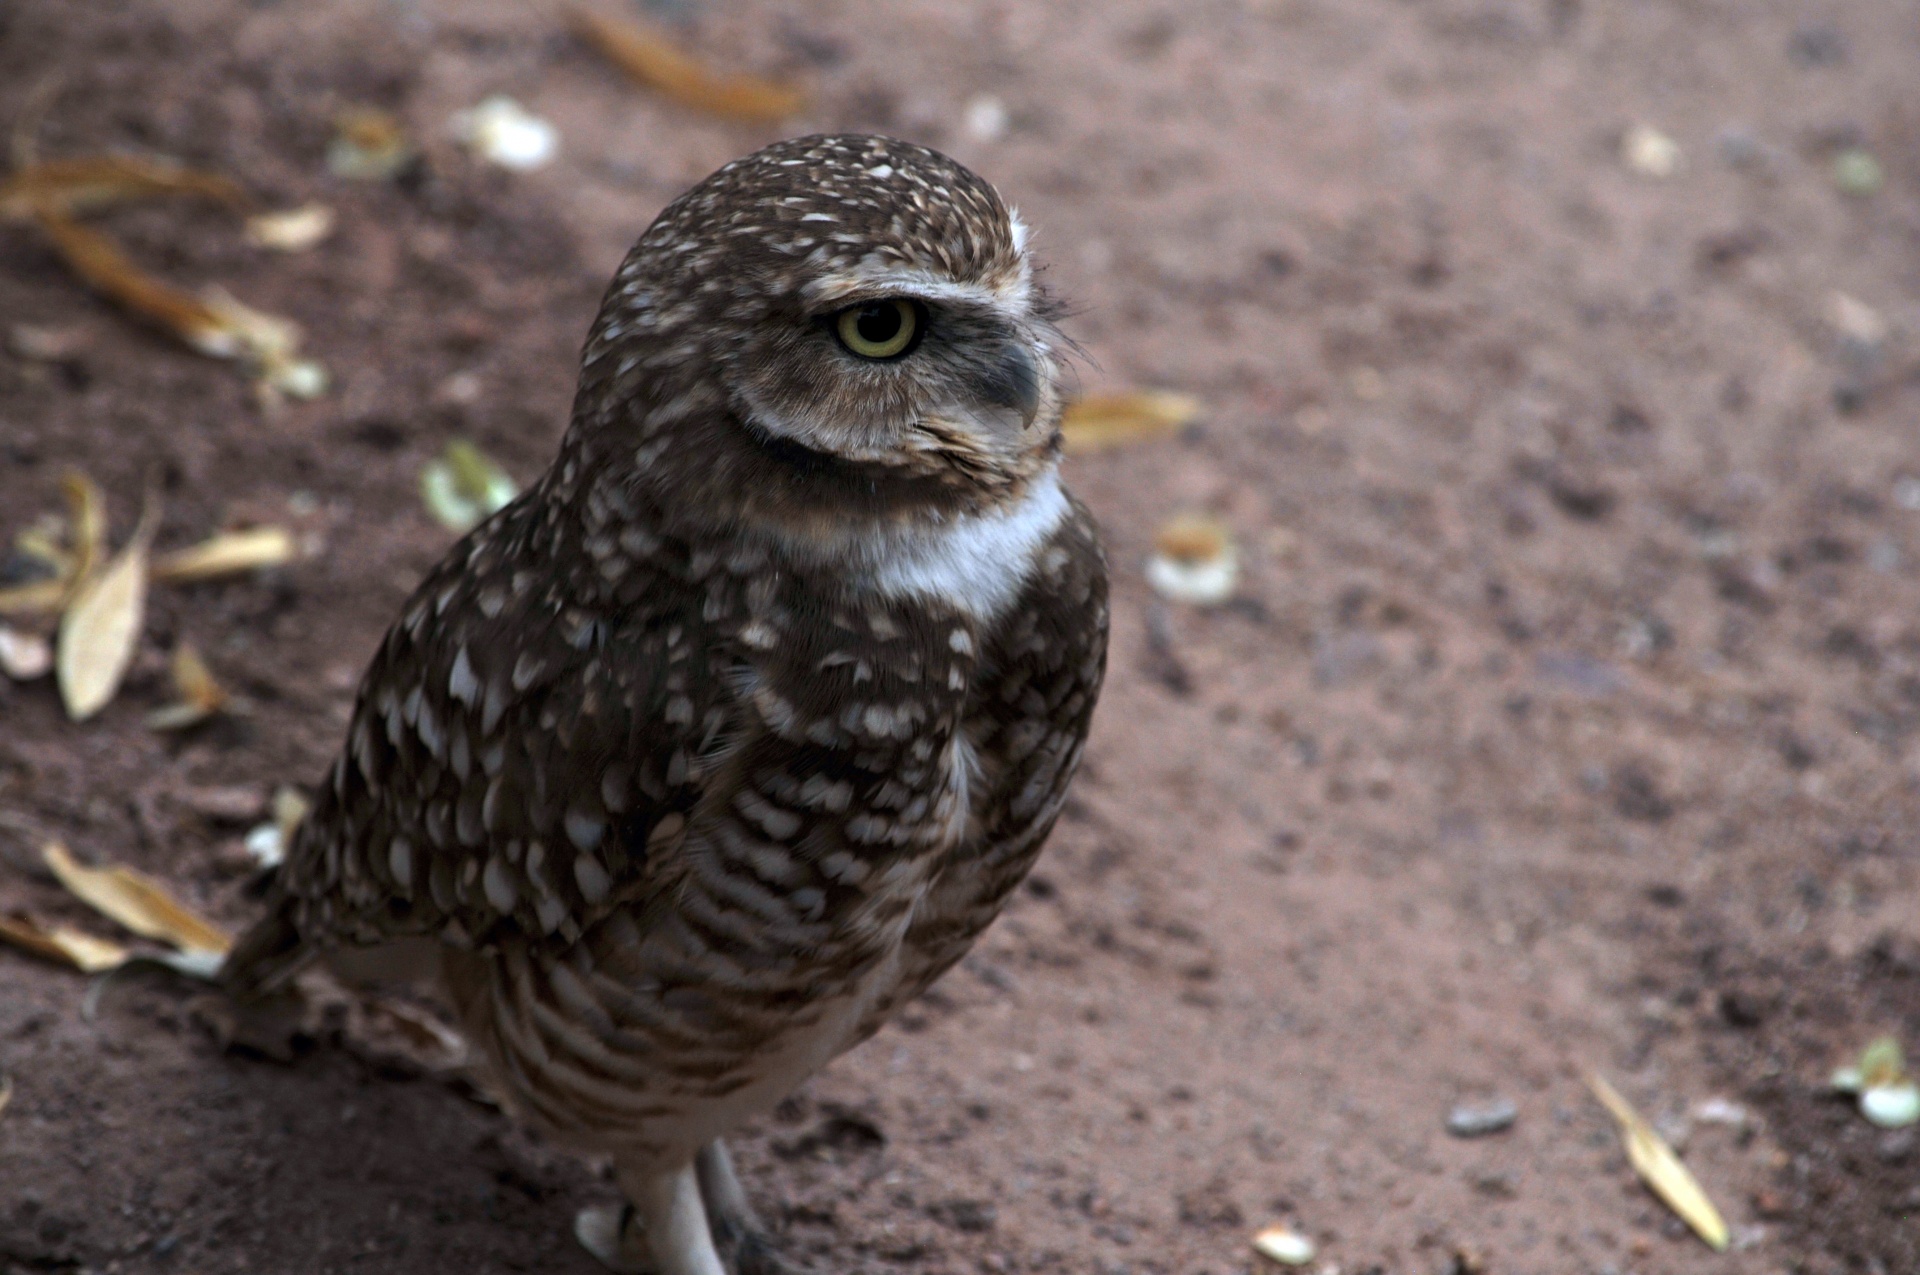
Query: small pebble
[
  {"x": 1891, "y": 1106},
  {"x": 1857, "y": 172},
  {"x": 24, "y": 656},
  {"x": 503, "y": 132},
  {"x": 1720, "y": 1111},
  {"x": 1478, "y": 1119},
  {"x": 1650, "y": 152},
  {"x": 986, "y": 118},
  {"x": 1285, "y": 1245},
  {"x": 266, "y": 845}
]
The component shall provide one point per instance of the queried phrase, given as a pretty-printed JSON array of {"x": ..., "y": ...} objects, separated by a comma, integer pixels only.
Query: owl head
[{"x": 833, "y": 323}]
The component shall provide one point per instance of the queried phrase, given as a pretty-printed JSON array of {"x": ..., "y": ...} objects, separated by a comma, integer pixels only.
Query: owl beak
[{"x": 1015, "y": 383}]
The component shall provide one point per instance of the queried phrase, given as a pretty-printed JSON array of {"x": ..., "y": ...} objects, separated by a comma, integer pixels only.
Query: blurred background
[{"x": 1530, "y": 385}]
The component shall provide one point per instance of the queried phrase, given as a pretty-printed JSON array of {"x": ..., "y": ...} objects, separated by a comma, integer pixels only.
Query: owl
[{"x": 730, "y": 735}]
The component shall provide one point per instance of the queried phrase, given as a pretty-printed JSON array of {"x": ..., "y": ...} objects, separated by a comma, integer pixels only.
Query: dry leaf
[
  {"x": 1111, "y": 420},
  {"x": 63, "y": 944},
  {"x": 6, "y": 1091},
  {"x": 215, "y": 324},
  {"x": 24, "y": 656},
  {"x": 89, "y": 524},
  {"x": 463, "y": 486},
  {"x": 38, "y": 598},
  {"x": 101, "y": 627},
  {"x": 1661, "y": 1169},
  {"x": 291, "y": 229},
  {"x": 107, "y": 271},
  {"x": 136, "y": 901},
  {"x": 650, "y": 57},
  {"x": 67, "y": 186},
  {"x": 200, "y": 695},
  {"x": 229, "y": 553},
  {"x": 368, "y": 145}
]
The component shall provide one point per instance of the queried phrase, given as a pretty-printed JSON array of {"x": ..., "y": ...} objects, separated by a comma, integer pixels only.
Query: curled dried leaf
[
  {"x": 1100, "y": 421},
  {"x": 89, "y": 513},
  {"x": 40, "y": 597},
  {"x": 368, "y": 145},
  {"x": 137, "y": 902},
  {"x": 1656, "y": 1164},
  {"x": 101, "y": 627},
  {"x": 68, "y": 186},
  {"x": 201, "y": 695},
  {"x": 229, "y": 553},
  {"x": 61, "y": 944},
  {"x": 650, "y": 58},
  {"x": 463, "y": 486},
  {"x": 106, "y": 270}
]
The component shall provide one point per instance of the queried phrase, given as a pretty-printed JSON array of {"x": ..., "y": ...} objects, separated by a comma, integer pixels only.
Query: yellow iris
[{"x": 879, "y": 329}]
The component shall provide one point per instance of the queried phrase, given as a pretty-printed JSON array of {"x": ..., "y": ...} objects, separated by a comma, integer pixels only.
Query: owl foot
[
  {"x": 611, "y": 1233},
  {"x": 680, "y": 1223}
]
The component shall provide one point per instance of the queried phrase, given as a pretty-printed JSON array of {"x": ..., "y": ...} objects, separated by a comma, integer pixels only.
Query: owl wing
[
  {"x": 511, "y": 755},
  {"x": 1039, "y": 679}
]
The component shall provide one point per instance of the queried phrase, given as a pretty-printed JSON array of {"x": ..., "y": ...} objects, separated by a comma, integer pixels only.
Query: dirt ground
[{"x": 1568, "y": 716}]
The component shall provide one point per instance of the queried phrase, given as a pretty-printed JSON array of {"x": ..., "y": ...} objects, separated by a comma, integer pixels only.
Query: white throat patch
[{"x": 978, "y": 563}]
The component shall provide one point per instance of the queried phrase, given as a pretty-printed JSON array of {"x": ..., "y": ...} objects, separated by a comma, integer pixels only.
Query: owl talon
[{"x": 613, "y": 1235}]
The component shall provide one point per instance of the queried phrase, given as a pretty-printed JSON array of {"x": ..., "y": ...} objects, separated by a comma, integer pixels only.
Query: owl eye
[{"x": 880, "y": 330}]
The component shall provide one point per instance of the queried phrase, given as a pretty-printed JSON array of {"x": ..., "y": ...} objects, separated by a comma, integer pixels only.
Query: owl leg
[
  {"x": 736, "y": 1227},
  {"x": 662, "y": 1231}
]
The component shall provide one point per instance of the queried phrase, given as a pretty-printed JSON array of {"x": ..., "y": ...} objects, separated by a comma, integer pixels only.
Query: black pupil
[{"x": 878, "y": 323}]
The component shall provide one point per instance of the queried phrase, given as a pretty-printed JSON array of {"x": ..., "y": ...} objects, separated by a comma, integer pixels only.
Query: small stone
[
  {"x": 1650, "y": 152},
  {"x": 1478, "y": 1119},
  {"x": 1721, "y": 1111},
  {"x": 503, "y": 132},
  {"x": 266, "y": 845},
  {"x": 986, "y": 118},
  {"x": 1284, "y": 1245},
  {"x": 1891, "y": 1106},
  {"x": 24, "y": 656},
  {"x": 1856, "y": 172}
]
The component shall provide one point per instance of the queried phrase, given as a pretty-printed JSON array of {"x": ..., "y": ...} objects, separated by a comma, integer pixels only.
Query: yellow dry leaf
[
  {"x": 89, "y": 523},
  {"x": 1661, "y": 1169},
  {"x": 101, "y": 627},
  {"x": 201, "y": 696},
  {"x": 463, "y": 486},
  {"x": 1101, "y": 421},
  {"x": 68, "y": 186},
  {"x": 37, "y": 598},
  {"x": 367, "y": 145},
  {"x": 61, "y": 943},
  {"x": 648, "y": 56},
  {"x": 136, "y": 901},
  {"x": 228, "y": 553},
  {"x": 107, "y": 271}
]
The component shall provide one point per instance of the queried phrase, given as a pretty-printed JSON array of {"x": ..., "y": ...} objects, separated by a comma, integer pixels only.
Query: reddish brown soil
[{"x": 1567, "y": 717}]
